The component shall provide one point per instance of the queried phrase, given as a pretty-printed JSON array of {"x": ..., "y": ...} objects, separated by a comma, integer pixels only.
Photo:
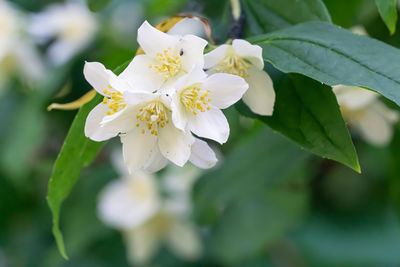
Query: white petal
[
  {"x": 122, "y": 121},
  {"x": 142, "y": 243},
  {"x": 179, "y": 117},
  {"x": 191, "y": 49},
  {"x": 225, "y": 89},
  {"x": 216, "y": 56},
  {"x": 375, "y": 128},
  {"x": 184, "y": 240},
  {"x": 93, "y": 128},
  {"x": 195, "y": 76},
  {"x": 129, "y": 202},
  {"x": 211, "y": 124},
  {"x": 154, "y": 41},
  {"x": 140, "y": 76},
  {"x": 260, "y": 97},
  {"x": 61, "y": 51},
  {"x": 388, "y": 114},
  {"x": 246, "y": 50},
  {"x": 98, "y": 76},
  {"x": 137, "y": 148},
  {"x": 135, "y": 98},
  {"x": 156, "y": 162},
  {"x": 202, "y": 155},
  {"x": 175, "y": 144},
  {"x": 353, "y": 97}
]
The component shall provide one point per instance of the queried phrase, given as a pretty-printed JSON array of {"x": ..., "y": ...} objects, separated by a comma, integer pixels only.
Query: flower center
[
  {"x": 151, "y": 116},
  {"x": 234, "y": 64},
  {"x": 169, "y": 64},
  {"x": 193, "y": 98},
  {"x": 114, "y": 101}
]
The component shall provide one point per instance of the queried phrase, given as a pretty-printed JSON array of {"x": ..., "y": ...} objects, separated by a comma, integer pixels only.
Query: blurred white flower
[
  {"x": 147, "y": 219},
  {"x": 71, "y": 25},
  {"x": 245, "y": 60},
  {"x": 129, "y": 201},
  {"x": 197, "y": 100},
  {"x": 180, "y": 236},
  {"x": 125, "y": 18},
  {"x": 18, "y": 56},
  {"x": 188, "y": 26},
  {"x": 363, "y": 111}
]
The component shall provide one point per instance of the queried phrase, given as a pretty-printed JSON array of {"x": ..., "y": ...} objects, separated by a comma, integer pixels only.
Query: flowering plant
[{"x": 182, "y": 101}]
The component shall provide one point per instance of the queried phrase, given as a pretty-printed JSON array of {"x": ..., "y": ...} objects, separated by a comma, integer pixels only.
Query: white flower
[
  {"x": 129, "y": 201},
  {"x": 143, "y": 121},
  {"x": 197, "y": 100},
  {"x": 245, "y": 60},
  {"x": 166, "y": 58},
  {"x": 170, "y": 226},
  {"x": 363, "y": 111},
  {"x": 18, "y": 56},
  {"x": 71, "y": 24},
  {"x": 147, "y": 219},
  {"x": 180, "y": 236}
]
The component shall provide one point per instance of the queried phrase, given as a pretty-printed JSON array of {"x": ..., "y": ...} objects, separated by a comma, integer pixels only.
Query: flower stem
[{"x": 237, "y": 17}]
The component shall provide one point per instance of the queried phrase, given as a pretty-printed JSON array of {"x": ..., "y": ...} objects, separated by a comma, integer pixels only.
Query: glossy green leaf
[
  {"x": 332, "y": 55},
  {"x": 307, "y": 113},
  {"x": 258, "y": 193},
  {"x": 388, "y": 11},
  {"x": 97, "y": 5},
  {"x": 269, "y": 15},
  {"x": 76, "y": 153}
]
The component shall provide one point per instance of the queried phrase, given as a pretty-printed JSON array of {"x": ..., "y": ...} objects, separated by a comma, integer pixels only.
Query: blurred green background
[{"x": 268, "y": 203}]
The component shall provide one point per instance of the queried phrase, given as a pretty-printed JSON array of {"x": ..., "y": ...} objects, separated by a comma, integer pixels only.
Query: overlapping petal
[{"x": 260, "y": 97}]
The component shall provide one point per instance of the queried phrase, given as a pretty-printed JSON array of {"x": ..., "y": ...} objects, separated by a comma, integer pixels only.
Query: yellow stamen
[
  {"x": 234, "y": 64},
  {"x": 169, "y": 64},
  {"x": 193, "y": 98},
  {"x": 155, "y": 115}
]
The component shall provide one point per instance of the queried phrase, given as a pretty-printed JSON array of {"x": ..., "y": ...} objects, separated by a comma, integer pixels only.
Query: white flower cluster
[
  {"x": 148, "y": 219},
  {"x": 18, "y": 55},
  {"x": 165, "y": 96}
]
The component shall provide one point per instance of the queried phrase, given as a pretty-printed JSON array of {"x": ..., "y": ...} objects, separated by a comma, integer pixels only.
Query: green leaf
[
  {"x": 388, "y": 11},
  {"x": 344, "y": 17},
  {"x": 332, "y": 55},
  {"x": 97, "y": 5},
  {"x": 307, "y": 113},
  {"x": 258, "y": 193},
  {"x": 369, "y": 239},
  {"x": 269, "y": 15},
  {"x": 76, "y": 153}
]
